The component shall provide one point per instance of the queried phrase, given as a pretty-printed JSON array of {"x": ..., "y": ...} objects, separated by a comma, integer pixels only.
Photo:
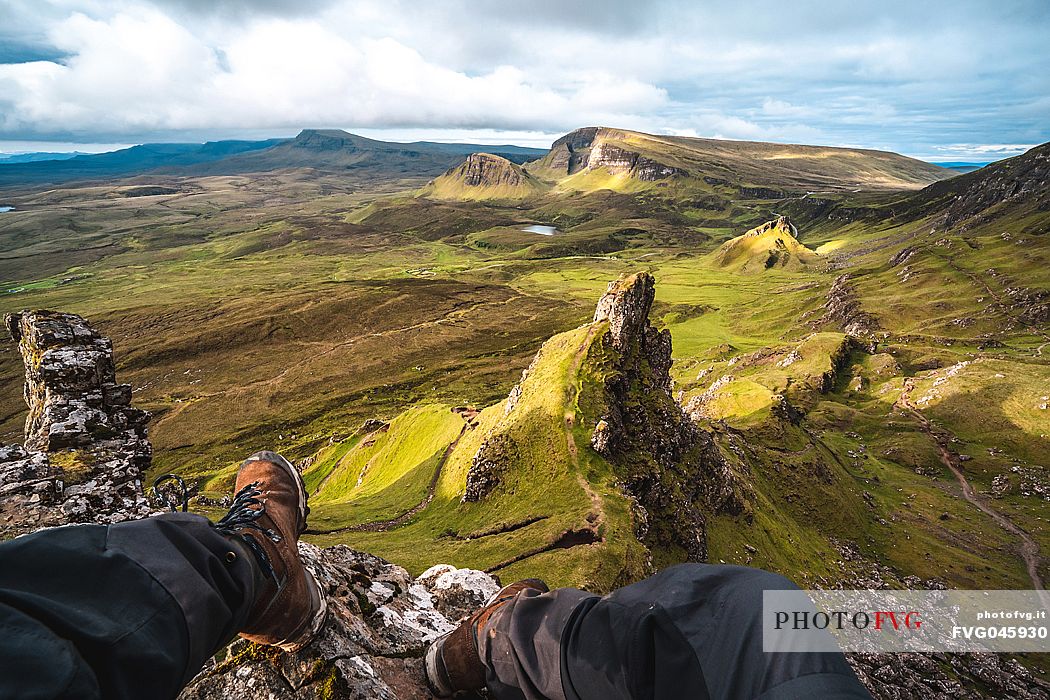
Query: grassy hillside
[
  {"x": 483, "y": 176},
  {"x": 784, "y": 168},
  {"x": 771, "y": 245},
  {"x": 555, "y": 507}
]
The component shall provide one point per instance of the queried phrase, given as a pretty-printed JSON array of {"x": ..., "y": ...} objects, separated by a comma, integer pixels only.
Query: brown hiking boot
[
  {"x": 268, "y": 515},
  {"x": 453, "y": 663}
]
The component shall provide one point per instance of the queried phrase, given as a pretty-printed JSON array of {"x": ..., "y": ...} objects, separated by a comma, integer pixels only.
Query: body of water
[
  {"x": 3, "y": 209},
  {"x": 540, "y": 229}
]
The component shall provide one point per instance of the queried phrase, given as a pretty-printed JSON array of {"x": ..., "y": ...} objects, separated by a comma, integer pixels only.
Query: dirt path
[
  {"x": 570, "y": 421},
  {"x": 403, "y": 518},
  {"x": 1029, "y": 547}
]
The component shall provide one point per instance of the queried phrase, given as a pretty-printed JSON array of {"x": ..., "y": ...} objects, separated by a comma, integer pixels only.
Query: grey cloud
[{"x": 14, "y": 51}]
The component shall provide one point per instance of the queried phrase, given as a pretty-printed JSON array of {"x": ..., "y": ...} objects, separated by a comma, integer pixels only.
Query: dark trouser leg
[
  {"x": 691, "y": 631},
  {"x": 126, "y": 611}
]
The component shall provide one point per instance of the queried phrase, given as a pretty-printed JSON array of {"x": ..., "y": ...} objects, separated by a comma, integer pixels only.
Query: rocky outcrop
[
  {"x": 697, "y": 407},
  {"x": 380, "y": 621},
  {"x": 668, "y": 467},
  {"x": 843, "y": 309},
  {"x": 947, "y": 677},
  {"x": 770, "y": 245},
  {"x": 626, "y": 305},
  {"x": 71, "y": 388},
  {"x": 86, "y": 447},
  {"x": 903, "y": 256},
  {"x": 485, "y": 170},
  {"x": 487, "y": 466},
  {"x": 483, "y": 176}
]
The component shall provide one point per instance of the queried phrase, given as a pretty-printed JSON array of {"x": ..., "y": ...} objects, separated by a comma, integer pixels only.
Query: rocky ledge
[
  {"x": 380, "y": 621},
  {"x": 843, "y": 308}
]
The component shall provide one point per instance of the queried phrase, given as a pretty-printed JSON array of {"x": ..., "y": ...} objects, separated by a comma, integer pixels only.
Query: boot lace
[
  {"x": 243, "y": 515},
  {"x": 171, "y": 499}
]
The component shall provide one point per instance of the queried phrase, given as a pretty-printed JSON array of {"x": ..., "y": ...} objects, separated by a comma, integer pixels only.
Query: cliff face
[
  {"x": 85, "y": 446},
  {"x": 596, "y": 147},
  {"x": 483, "y": 176}
]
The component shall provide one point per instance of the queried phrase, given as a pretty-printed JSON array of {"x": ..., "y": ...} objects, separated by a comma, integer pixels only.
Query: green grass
[{"x": 382, "y": 475}]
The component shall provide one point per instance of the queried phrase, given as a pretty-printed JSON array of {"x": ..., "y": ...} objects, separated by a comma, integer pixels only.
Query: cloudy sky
[{"x": 958, "y": 80}]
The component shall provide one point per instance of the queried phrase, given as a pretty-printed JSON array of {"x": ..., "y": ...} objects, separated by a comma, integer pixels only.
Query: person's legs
[
  {"x": 134, "y": 610},
  {"x": 690, "y": 631},
  {"x": 128, "y": 610}
]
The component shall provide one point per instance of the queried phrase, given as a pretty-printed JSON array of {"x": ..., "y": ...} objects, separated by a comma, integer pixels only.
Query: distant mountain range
[
  {"x": 581, "y": 156},
  {"x": 330, "y": 150},
  {"x": 965, "y": 167},
  {"x": 38, "y": 156}
]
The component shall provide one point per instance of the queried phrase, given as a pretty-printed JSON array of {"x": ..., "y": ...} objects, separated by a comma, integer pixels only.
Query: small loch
[
  {"x": 541, "y": 229},
  {"x": 6, "y": 209}
]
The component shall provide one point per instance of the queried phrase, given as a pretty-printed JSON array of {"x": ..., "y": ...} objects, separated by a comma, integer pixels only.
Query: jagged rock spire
[
  {"x": 71, "y": 388},
  {"x": 85, "y": 448},
  {"x": 626, "y": 305}
]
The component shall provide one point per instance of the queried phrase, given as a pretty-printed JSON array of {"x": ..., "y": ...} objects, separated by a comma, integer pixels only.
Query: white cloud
[
  {"x": 987, "y": 151},
  {"x": 901, "y": 75},
  {"x": 140, "y": 69}
]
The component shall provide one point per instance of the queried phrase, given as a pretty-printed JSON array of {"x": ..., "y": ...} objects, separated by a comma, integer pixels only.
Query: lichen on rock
[{"x": 86, "y": 447}]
